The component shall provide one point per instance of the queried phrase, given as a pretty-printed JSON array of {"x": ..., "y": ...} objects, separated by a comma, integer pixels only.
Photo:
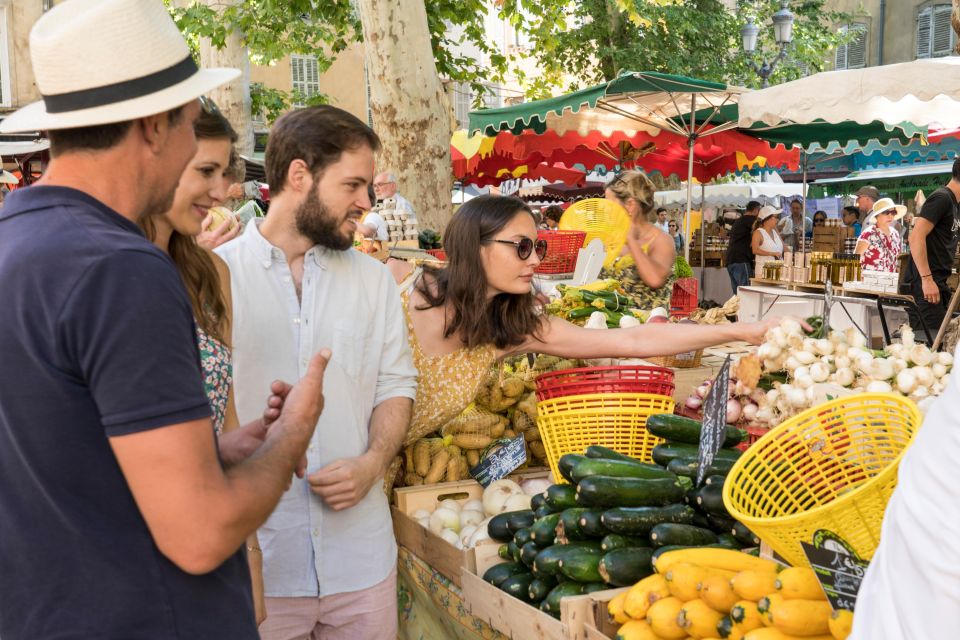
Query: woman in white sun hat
[
  {"x": 879, "y": 245},
  {"x": 765, "y": 242}
]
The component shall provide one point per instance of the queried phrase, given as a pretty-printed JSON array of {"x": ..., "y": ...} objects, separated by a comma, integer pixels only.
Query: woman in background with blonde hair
[{"x": 645, "y": 266}]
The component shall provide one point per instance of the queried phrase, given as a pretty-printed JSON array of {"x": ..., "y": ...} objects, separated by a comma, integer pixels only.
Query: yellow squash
[
  {"x": 662, "y": 618},
  {"x": 799, "y": 583},
  {"x": 698, "y": 619},
  {"x": 683, "y": 579},
  {"x": 753, "y": 585},
  {"x": 716, "y": 592},
  {"x": 771, "y": 633},
  {"x": 801, "y": 617},
  {"x": 746, "y": 616},
  {"x": 643, "y": 594},
  {"x": 764, "y": 606},
  {"x": 636, "y": 630},
  {"x": 726, "y": 559},
  {"x": 615, "y": 609},
  {"x": 840, "y": 623}
]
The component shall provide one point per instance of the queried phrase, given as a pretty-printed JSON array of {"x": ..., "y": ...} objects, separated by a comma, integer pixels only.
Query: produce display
[
  {"x": 615, "y": 518},
  {"x": 604, "y": 297},
  {"x": 463, "y": 523},
  {"x": 721, "y": 593}
]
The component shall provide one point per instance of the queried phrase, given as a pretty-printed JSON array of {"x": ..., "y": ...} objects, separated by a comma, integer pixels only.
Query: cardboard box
[{"x": 428, "y": 546}]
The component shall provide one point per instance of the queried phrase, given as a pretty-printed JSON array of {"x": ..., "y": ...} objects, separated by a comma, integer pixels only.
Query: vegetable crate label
[
  {"x": 501, "y": 462},
  {"x": 714, "y": 429},
  {"x": 838, "y": 567}
]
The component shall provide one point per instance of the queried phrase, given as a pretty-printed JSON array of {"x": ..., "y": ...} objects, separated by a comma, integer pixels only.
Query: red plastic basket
[
  {"x": 623, "y": 379},
  {"x": 439, "y": 254},
  {"x": 753, "y": 434},
  {"x": 683, "y": 300},
  {"x": 563, "y": 247}
]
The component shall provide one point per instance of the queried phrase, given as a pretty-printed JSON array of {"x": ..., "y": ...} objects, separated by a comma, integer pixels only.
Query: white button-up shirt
[{"x": 351, "y": 304}]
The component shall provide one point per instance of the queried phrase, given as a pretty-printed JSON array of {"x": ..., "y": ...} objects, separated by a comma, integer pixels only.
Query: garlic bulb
[
  {"x": 805, "y": 357},
  {"x": 879, "y": 386}
]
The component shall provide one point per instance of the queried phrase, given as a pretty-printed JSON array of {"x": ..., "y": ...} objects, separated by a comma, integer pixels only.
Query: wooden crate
[
  {"x": 511, "y": 617},
  {"x": 423, "y": 543},
  {"x": 586, "y": 616}
]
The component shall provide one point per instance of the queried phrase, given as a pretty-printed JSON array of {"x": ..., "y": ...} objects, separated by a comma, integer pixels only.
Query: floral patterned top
[
  {"x": 217, "y": 367},
  {"x": 882, "y": 249}
]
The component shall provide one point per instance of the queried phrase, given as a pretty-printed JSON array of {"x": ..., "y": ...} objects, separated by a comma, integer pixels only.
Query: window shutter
[
  {"x": 924, "y": 20},
  {"x": 942, "y": 31},
  {"x": 857, "y": 49},
  {"x": 841, "y": 61}
]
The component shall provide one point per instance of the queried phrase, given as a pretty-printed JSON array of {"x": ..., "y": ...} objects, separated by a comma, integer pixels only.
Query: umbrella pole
[
  {"x": 803, "y": 221},
  {"x": 691, "y": 141},
  {"x": 703, "y": 260}
]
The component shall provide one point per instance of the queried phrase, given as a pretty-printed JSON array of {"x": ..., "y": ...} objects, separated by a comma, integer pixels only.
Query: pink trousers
[{"x": 370, "y": 614}]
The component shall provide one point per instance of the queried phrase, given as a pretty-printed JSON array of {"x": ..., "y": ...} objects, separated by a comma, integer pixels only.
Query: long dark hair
[
  {"x": 194, "y": 263},
  {"x": 506, "y": 320}
]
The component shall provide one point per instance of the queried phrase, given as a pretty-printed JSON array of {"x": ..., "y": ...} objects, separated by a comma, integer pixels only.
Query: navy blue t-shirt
[{"x": 96, "y": 340}]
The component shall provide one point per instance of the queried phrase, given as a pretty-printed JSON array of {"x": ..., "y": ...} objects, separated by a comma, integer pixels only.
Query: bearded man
[{"x": 329, "y": 555}]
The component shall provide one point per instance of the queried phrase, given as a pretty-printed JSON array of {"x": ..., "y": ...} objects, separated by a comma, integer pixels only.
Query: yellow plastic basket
[
  {"x": 570, "y": 424},
  {"x": 832, "y": 467}
]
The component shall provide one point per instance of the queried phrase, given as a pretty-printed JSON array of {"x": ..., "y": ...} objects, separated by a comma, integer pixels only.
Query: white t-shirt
[
  {"x": 912, "y": 588},
  {"x": 665, "y": 226},
  {"x": 376, "y": 220}
]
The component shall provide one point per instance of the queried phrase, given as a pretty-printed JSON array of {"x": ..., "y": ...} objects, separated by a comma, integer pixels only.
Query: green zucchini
[
  {"x": 568, "y": 529},
  {"x": 684, "y": 534},
  {"x": 596, "y": 451},
  {"x": 689, "y": 466},
  {"x": 720, "y": 524},
  {"x": 540, "y": 587},
  {"x": 664, "y": 453},
  {"x": 616, "y": 469},
  {"x": 500, "y": 572},
  {"x": 504, "y": 552},
  {"x": 518, "y": 586},
  {"x": 543, "y": 510},
  {"x": 617, "y": 541},
  {"x": 729, "y": 541},
  {"x": 561, "y": 496},
  {"x": 634, "y": 521},
  {"x": 522, "y": 537},
  {"x": 582, "y": 565},
  {"x": 700, "y": 519},
  {"x": 710, "y": 499},
  {"x": 544, "y": 530},
  {"x": 551, "y": 604},
  {"x": 717, "y": 479},
  {"x": 590, "y": 587},
  {"x": 514, "y": 551},
  {"x": 498, "y": 528},
  {"x": 566, "y": 463},
  {"x": 537, "y": 501},
  {"x": 591, "y": 523},
  {"x": 744, "y": 536},
  {"x": 603, "y": 491},
  {"x": 625, "y": 567},
  {"x": 517, "y": 520},
  {"x": 528, "y": 552},
  {"x": 547, "y": 562},
  {"x": 686, "y": 430}
]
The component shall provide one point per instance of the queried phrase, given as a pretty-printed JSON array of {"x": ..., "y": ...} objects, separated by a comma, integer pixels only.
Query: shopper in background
[
  {"x": 820, "y": 219},
  {"x": 123, "y": 515},
  {"x": 794, "y": 228},
  {"x": 385, "y": 186},
  {"x": 740, "y": 252},
  {"x": 645, "y": 267},
  {"x": 673, "y": 230},
  {"x": 551, "y": 217},
  {"x": 866, "y": 198},
  {"x": 933, "y": 245},
  {"x": 661, "y": 222},
  {"x": 851, "y": 218},
  {"x": 879, "y": 245},
  {"x": 765, "y": 242},
  {"x": 298, "y": 285}
]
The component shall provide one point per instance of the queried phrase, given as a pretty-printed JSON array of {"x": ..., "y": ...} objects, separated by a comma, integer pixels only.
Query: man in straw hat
[
  {"x": 329, "y": 553},
  {"x": 933, "y": 245},
  {"x": 121, "y": 519}
]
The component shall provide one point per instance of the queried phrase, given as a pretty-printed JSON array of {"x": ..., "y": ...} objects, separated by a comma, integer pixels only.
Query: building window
[
  {"x": 935, "y": 37},
  {"x": 306, "y": 78},
  {"x": 853, "y": 55},
  {"x": 462, "y": 103}
]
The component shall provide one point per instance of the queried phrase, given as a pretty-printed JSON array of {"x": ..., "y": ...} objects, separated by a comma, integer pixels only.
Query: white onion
[
  {"x": 899, "y": 364},
  {"x": 479, "y": 535},
  {"x": 517, "y": 502},
  {"x": 842, "y": 362},
  {"x": 896, "y": 350},
  {"x": 855, "y": 338},
  {"x": 702, "y": 391},
  {"x": 906, "y": 335},
  {"x": 945, "y": 358},
  {"x": 466, "y": 533},
  {"x": 801, "y": 372},
  {"x": 804, "y": 383},
  {"x": 424, "y": 522},
  {"x": 420, "y": 513},
  {"x": 805, "y": 357},
  {"x": 750, "y": 412},
  {"x": 792, "y": 363},
  {"x": 823, "y": 347},
  {"x": 453, "y": 505},
  {"x": 844, "y": 377},
  {"x": 881, "y": 369},
  {"x": 765, "y": 415},
  {"x": 789, "y": 325},
  {"x": 450, "y": 536},
  {"x": 693, "y": 403},
  {"x": 796, "y": 398},
  {"x": 819, "y": 372},
  {"x": 925, "y": 376},
  {"x": 939, "y": 370},
  {"x": 920, "y": 354},
  {"x": 734, "y": 410},
  {"x": 773, "y": 395},
  {"x": 444, "y": 518},
  {"x": 470, "y": 517},
  {"x": 906, "y": 382},
  {"x": 473, "y": 505},
  {"x": 778, "y": 336},
  {"x": 879, "y": 386},
  {"x": 533, "y": 486},
  {"x": 496, "y": 495},
  {"x": 919, "y": 394},
  {"x": 758, "y": 395}
]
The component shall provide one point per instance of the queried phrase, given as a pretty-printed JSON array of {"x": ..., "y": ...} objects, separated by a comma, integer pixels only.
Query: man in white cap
[{"x": 121, "y": 516}]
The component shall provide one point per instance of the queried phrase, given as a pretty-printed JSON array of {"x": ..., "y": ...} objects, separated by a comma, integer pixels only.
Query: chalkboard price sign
[
  {"x": 714, "y": 429},
  {"x": 501, "y": 461},
  {"x": 838, "y": 567}
]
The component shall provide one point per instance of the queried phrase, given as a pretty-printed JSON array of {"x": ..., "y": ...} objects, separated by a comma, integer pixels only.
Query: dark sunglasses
[
  {"x": 526, "y": 246},
  {"x": 209, "y": 106}
]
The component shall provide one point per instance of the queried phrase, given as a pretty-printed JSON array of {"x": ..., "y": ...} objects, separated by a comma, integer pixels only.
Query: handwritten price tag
[
  {"x": 500, "y": 462},
  {"x": 839, "y": 568}
]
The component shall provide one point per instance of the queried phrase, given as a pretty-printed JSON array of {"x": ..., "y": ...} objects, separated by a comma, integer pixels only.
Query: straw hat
[
  {"x": 103, "y": 61},
  {"x": 766, "y": 211},
  {"x": 885, "y": 204}
]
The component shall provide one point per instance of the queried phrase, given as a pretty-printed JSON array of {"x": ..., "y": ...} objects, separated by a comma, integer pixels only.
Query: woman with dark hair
[
  {"x": 480, "y": 308},
  {"x": 207, "y": 280}
]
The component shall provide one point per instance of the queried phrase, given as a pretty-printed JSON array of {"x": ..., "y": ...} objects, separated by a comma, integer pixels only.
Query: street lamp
[{"x": 782, "y": 33}]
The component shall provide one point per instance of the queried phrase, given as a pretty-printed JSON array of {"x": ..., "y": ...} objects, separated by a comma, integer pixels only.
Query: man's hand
[
  {"x": 931, "y": 292},
  {"x": 210, "y": 239},
  {"x": 238, "y": 445},
  {"x": 344, "y": 482}
]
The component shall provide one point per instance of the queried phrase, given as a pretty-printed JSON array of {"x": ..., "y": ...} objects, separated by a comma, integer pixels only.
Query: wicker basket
[{"x": 688, "y": 360}]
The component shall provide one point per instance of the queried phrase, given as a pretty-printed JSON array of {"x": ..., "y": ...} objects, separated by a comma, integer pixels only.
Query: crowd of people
[{"x": 159, "y": 479}]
